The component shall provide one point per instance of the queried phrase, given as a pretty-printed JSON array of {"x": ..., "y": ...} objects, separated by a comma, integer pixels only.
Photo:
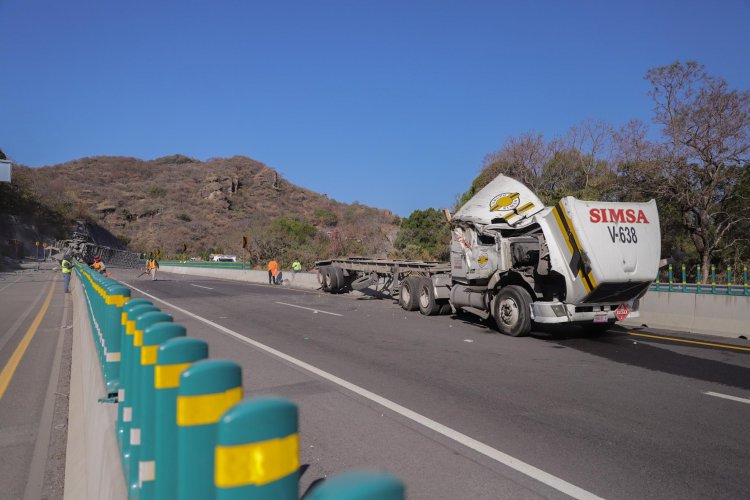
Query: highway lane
[
  {"x": 33, "y": 406},
  {"x": 617, "y": 416}
]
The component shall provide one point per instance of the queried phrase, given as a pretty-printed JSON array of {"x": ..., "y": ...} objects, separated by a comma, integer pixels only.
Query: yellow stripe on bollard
[
  {"x": 168, "y": 376},
  {"x": 130, "y": 327},
  {"x": 138, "y": 338},
  {"x": 148, "y": 354},
  {"x": 206, "y": 408},
  {"x": 116, "y": 300},
  {"x": 256, "y": 463}
]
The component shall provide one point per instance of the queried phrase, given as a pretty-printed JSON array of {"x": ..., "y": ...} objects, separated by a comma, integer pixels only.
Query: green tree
[{"x": 425, "y": 234}]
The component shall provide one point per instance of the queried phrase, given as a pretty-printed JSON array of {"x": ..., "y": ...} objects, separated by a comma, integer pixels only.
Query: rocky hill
[{"x": 189, "y": 207}]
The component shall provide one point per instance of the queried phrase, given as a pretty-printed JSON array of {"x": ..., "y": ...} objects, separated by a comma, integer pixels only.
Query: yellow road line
[
  {"x": 725, "y": 346},
  {"x": 10, "y": 368}
]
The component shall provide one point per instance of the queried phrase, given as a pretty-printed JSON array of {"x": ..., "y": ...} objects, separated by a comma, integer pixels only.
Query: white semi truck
[{"x": 519, "y": 262}]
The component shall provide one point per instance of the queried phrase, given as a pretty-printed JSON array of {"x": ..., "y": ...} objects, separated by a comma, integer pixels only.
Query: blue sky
[{"x": 390, "y": 103}]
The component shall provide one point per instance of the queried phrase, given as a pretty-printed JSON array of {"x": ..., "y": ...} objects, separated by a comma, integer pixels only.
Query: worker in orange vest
[
  {"x": 151, "y": 268},
  {"x": 98, "y": 265},
  {"x": 273, "y": 271}
]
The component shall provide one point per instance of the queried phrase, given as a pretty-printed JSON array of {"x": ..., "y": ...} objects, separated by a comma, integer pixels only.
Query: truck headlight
[{"x": 559, "y": 310}]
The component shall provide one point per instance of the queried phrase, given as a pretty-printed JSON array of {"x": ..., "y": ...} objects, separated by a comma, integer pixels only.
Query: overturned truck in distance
[{"x": 519, "y": 262}]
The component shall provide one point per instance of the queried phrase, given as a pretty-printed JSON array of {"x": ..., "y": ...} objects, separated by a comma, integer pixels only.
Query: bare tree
[
  {"x": 591, "y": 139},
  {"x": 707, "y": 129},
  {"x": 522, "y": 158}
]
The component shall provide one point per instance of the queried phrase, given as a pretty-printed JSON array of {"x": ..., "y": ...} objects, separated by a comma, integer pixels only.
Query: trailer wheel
[
  {"x": 408, "y": 296},
  {"x": 337, "y": 279},
  {"x": 326, "y": 279},
  {"x": 511, "y": 311},
  {"x": 322, "y": 276},
  {"x": 427, "y": 303}
]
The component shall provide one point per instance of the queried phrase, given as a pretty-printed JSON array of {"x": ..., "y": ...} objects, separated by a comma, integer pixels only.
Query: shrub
[{"x": 157, "y": 191}]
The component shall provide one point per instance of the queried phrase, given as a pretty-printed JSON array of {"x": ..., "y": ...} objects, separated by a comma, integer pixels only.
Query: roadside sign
[
  {"x": 37, "y": 243},
  {"x": 5, "y": 171},
  {"x": 622, "y": 312}
]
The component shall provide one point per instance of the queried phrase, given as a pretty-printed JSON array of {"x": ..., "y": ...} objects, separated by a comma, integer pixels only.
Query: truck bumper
[{"x": 559, "y": 312}]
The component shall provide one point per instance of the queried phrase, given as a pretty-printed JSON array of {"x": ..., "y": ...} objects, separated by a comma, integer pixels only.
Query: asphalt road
[
  {"x": 34, "y": 365},
  {"x": 458, "y": 411}
]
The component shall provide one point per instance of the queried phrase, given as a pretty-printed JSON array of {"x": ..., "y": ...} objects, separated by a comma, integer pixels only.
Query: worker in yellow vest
[{"x": 66, "y": 267}]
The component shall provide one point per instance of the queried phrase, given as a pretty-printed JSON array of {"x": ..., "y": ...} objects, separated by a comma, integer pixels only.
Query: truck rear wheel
[
  {"x": 327, "y": 278},
  {"x": 408, "y": 296},
  {"x": 511, "y": 311},
  {"x": 427, "y": 303},
  {"x": 337, "y": 279}
]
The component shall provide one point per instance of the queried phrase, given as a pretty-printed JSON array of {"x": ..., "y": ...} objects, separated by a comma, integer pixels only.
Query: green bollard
[
  {"x": 142, "y": 321},
  {"x": 698, "y": 279},
  {"x": 126, "y": 347},
  {"x": 671, "y": 280},
  {"x": 173, "y": 357},
  {"x": 744, "y": 280},
  {"x": 117, "y": 295},
  {"x": 126, "y": 363},
  {"x": 257, "y": 451},
  {"x": 207, "y": 390},
  {"x": 729, "y": 280},
  {"x": 153, "y": 336},
  {"x": 713, "y": 278},
  {"x": 360, "y": 485},
  {"x": 684, "y": 278}
]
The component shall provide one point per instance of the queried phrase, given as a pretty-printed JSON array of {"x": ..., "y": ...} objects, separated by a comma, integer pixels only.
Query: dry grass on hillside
[{"x": 177, "y": 201}]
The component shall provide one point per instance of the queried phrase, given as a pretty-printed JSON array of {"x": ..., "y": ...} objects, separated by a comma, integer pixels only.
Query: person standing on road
[
  {"x": 273, "y": 270},
  {"x": 296, "y": 267},
  {"x": 66, "y": 267},
  {"x": 151, "y": 267}
]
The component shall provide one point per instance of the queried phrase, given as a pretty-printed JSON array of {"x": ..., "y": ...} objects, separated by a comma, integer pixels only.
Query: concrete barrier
[
  {"x": 92, "y": 468},
  {"x": 720, "y": 315},
  {"x": 305, "y": 281}
]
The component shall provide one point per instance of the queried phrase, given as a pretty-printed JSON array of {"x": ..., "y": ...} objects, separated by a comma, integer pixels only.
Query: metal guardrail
[
  {"x": 183, "y": 428},
  {"x": 203, "y": 263},
  {"x": 667, "y": 281}
]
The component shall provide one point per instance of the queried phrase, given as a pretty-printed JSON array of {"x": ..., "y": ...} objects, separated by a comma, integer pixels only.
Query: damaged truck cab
[
  {"x": 519, "y": 262},
  {"x": 579, "y": 261}
]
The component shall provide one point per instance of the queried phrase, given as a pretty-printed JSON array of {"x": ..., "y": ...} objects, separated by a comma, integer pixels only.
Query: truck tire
[
  {"x": 325, "y": 278},
  {"x": 338, "y": 282},
  {"x": 511, "y": 311},
  {"x": 427, "y": 303},
  {"x": 321, "y": 277},
  {"x": 408, "y": 296}
]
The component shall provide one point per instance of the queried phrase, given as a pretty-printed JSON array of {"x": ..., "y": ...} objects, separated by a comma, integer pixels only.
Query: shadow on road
[{"x": 652, "y": 354}]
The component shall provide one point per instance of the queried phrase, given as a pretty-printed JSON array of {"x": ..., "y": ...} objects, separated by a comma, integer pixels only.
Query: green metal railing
[
  {"x": 204, "y": 263},
  {"x": 696, "y": 280},
  {"x": 183, "y": 428}
]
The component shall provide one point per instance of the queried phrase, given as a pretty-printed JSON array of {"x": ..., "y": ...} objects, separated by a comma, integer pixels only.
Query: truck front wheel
[{"x": 511, "y": 311}]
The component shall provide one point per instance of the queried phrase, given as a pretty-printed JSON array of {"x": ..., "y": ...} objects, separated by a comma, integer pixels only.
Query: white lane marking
[
  {"x": 316, "y": 311},
  {"x": 497, "y": 455},
  {"x": 201, "y": 286},
  {"x": 6, "y": 286},
  {"x": 726, "y": 396}
]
